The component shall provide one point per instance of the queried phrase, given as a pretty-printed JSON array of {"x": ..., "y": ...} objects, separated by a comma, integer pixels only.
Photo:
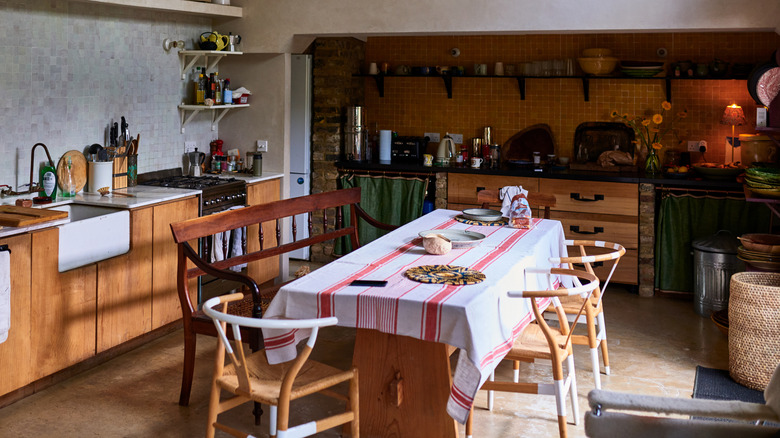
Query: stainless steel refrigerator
[{"x": 300, "y": 140}]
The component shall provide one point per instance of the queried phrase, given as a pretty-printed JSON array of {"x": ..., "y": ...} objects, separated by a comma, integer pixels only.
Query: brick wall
[{"x": 335, "y": 61}]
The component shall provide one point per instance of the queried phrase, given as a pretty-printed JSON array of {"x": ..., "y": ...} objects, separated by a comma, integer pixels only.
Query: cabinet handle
[
  {"x": 576, "y": 197},
  {"x": 576, "y": 229}
]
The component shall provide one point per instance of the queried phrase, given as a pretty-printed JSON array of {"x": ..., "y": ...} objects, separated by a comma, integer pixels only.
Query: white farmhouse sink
[{"x": 92, "y": 234}]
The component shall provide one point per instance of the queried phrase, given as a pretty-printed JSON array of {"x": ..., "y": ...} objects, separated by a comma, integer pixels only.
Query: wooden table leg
[{"x": 404, "y": 386}]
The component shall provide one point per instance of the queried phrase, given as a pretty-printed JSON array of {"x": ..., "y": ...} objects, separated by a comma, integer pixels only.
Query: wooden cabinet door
[
  {"x": 267, "y": 269},
  {"x": 63, "y": 308},
  {"x": 124, "y": 287},
  {"x": 462, "y": 188},
  {"x": 165, "y": 299},
  {"x": 15, "y": 351}
]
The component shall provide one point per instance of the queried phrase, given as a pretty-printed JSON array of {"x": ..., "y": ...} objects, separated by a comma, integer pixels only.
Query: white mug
[
  {"x": 373, "y": 69},
  {"x": 498, "y": 70},
  {"x": 476, "y": 162}
]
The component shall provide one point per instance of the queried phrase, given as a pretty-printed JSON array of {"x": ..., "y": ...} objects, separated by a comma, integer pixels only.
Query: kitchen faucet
[{"x": 32, "y": 188}]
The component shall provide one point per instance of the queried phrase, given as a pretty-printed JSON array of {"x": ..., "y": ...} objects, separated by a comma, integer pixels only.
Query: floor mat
[{"x": 714, "y": 384}]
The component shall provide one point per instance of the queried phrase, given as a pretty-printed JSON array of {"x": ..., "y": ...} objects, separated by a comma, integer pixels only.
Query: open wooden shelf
[{"x": 179, "y": 6}]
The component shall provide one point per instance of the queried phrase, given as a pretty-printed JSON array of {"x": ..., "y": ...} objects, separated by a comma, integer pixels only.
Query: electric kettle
[
  {"x": 446, "y": 151},
  {"x": 196, "y": 159}
]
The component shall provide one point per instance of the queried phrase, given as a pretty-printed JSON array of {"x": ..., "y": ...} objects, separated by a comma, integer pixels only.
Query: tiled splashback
[
  {"x": 412, "y": 106},
  {"x": 70, "y": 68}
]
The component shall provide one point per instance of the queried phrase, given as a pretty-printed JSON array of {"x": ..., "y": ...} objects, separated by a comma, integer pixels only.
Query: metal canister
[
  {"x": 715, "y": 261},
  {"x": 487, "y": 136},
  {"x": 476, "y": 147},
  {"x": 354, "y": 134}
]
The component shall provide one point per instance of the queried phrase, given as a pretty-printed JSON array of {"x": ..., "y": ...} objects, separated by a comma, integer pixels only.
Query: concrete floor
[{"x": 655, "y": 345}]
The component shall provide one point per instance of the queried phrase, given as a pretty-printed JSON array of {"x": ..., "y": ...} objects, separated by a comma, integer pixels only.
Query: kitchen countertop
[
  {"x": 629, "y": 176},
  {"x": 144, "y": 196}
]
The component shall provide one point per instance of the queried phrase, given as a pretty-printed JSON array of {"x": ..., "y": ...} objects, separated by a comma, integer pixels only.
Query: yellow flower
[
  {"x": 645, "y": 122},
  {"x": 666, "y": 105},
  {"x": 657, "y": 146},
  {"x": 614, "y": 114},
  {"x": 658, "y": 119}
]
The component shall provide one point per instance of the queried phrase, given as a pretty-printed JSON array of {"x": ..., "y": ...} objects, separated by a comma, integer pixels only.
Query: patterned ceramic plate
[
  {"x": 482, "y": 214},
  {"x": 499, "y": 223},
  {"x": 445, "y": 274}
]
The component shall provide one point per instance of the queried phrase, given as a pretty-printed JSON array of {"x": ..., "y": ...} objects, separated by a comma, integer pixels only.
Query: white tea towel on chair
[
  {"x": 506, "y": 194},
  {"x": 5, "y": 295},
  {"x": 236, "y": 243}
]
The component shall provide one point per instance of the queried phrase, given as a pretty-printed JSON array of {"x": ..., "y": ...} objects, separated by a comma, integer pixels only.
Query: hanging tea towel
[
  {"x": 506, "y": 194},
  {"x": 5, "y": 294}
]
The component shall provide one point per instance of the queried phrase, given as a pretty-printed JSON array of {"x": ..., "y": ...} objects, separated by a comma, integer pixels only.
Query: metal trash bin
[{"x": 714, "y": 262}]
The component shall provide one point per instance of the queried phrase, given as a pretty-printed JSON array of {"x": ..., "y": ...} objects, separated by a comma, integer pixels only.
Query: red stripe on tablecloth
[
  {"x": 460, "y": 397},
  {"x": 432, "y": 307},
  {"x": 280, "y": 341}
]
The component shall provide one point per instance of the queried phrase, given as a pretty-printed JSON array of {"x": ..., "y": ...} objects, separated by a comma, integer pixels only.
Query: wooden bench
[{"x": 191, "y": 265}]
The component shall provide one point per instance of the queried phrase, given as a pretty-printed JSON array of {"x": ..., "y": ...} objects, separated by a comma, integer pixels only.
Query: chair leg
[
  {"x": 213, "y": 409},
  {"x": 560, "y": 405},
  {"x": 594, "y": 360},
  {"x": 603, "y": 342},
  {"x": 188, "y": 368},
  {"x": 575, "y": 407},
  {"x": 272, "y": 422},
  {"x": 257, "y": 411},
  {"x": 490, "y": 391},
  {"x": 354, "y": 404},
  {"x": 516, "y": 370},
  {"x": 470, "y": 423}
]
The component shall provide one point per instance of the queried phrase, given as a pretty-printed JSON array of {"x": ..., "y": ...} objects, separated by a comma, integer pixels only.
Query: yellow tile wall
[{"x": 414, "y": 105}]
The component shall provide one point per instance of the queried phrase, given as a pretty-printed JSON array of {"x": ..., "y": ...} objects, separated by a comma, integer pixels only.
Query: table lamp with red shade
[{"x": 734, "y": 116}]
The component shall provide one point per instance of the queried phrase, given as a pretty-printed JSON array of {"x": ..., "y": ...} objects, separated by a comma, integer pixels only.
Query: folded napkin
[
  {"x": 506, "y": 194},
  {"x": 5, "y": 295}
]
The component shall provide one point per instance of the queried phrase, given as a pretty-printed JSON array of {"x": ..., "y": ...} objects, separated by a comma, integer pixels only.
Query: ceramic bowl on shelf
[
  {"x": 600, "y": 66},
  {"x": 596, "y": 52}
]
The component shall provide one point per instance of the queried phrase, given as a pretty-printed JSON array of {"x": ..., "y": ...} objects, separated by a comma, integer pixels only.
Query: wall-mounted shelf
[
  {"x": 210, "y": 58},
  {"x": 217, "y": 112},
  {"x": 521, "y": 81},
  {"x": 181, "y": 6}
]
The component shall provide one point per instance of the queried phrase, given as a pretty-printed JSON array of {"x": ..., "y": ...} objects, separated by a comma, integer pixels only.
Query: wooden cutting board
[
  {"x": 79, "y": 169},
  {"x": 13, "y": 216}
]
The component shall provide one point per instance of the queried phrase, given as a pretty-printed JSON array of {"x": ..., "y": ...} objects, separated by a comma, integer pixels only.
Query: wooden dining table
[{"x": 407, "y": 330}]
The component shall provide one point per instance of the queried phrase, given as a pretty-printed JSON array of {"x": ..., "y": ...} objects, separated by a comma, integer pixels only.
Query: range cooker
[{"x": 217, "y": 193}]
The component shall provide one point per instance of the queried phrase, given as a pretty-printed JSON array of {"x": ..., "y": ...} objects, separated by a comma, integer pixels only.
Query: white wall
[
  {"x": 272, "y": 26},
  {"x": 69, "y": 68}
]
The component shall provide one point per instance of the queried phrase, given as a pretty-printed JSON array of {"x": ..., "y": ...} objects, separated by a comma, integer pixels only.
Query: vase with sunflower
[{"x": 649, "y": 133}]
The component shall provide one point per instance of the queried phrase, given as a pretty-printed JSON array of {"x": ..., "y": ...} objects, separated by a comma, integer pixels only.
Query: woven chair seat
[
  {"x": 531, "y": 344},
  {"x": 266, "y": 379}
]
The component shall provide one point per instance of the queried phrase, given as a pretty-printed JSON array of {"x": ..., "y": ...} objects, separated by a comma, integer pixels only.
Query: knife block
[{"x": 120, "y": 173}]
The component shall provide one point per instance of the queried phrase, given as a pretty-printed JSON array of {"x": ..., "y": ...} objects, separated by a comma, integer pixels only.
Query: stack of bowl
[
  {"x": 597, "y": 62},
  {"x": 760, "y": 251},
  {"x": 764, "y": 181}
]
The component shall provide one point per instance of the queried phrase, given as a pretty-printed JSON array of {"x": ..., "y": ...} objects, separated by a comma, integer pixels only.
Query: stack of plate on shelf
[
  {"x": 764, "y": 181},
  {"x": 760, "y": 251},
  {"x": 641, "y": 69}
]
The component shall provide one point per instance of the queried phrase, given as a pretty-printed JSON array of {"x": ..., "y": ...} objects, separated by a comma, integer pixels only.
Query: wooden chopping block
[
  {"x": 78, "y": 171},
  {"x": 14, "y": 216}
]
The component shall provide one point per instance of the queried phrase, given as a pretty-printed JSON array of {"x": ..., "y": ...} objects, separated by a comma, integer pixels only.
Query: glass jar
[{"x": 495, "y": 156}]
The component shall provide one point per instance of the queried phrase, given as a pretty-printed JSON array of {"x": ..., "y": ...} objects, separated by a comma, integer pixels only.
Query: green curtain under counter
[
  {"x": 684, "y": 218},
  {"x": 392, "y": 200}
]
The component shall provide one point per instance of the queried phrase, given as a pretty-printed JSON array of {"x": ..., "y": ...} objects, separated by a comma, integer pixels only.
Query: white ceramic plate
[
  {"x": 482, "y": 214},
  {"x": 459, "y": 238}
]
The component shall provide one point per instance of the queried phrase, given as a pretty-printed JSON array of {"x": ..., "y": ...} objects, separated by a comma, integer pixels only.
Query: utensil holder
[
  {"x": 99, "y": 175},
  {"x": 120, "y": 173},
  {"x": 132, "y": 170}
]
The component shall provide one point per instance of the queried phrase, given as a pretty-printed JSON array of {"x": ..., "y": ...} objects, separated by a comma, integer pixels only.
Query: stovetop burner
[{"x": 191, "y": 182}]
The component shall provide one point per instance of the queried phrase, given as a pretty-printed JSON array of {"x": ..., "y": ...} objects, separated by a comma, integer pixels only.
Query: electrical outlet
[
  {"x": 457, "y": 138},
  {"x": 189, "y": 146},
  {"x": 702, "y": 146},
  {"x": 262, "y": 145},
  {"x": 433, "y": 136},
  {"x": 695, "y": 146}
]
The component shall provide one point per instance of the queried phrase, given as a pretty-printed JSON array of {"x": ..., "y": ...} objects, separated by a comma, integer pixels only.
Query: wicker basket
[{"x": 754, "y": 327}]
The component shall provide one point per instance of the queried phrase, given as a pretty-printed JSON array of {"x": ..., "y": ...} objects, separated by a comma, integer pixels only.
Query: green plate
[{"x": 641, "y": 73}]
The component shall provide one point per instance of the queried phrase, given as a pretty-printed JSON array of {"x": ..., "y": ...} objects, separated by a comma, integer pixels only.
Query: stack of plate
[
  {"x": 641, "y": 69},
  {"x": 764, "y": 181},
  {"x": 761, "y": 251},
  {"x": 721, "y": 320}
]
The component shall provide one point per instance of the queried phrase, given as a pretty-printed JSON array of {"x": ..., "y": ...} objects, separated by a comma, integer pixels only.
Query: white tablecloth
[{"x": 479, "y": 319}]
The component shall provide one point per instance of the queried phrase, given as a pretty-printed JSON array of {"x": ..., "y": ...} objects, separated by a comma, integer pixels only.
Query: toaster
[{"x": 408, "y": 149}]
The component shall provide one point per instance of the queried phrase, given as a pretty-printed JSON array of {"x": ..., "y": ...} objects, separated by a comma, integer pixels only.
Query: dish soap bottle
[
  {"x": 48, "y": 180},
  {"x": 69, "y": 189}
]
